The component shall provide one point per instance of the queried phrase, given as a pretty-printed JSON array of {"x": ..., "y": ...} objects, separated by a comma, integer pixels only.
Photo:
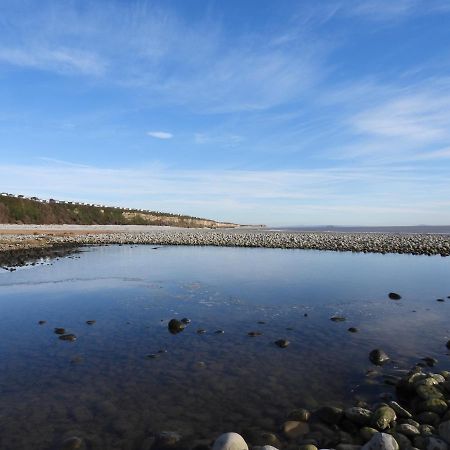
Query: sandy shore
[{"x": 29, "y": 241}]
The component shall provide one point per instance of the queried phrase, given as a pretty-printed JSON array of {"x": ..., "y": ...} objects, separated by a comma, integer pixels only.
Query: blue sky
[{"x": 256, "y": 111}]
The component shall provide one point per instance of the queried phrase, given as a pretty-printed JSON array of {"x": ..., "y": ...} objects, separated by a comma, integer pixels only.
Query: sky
[{"x": 298, "y": 112}]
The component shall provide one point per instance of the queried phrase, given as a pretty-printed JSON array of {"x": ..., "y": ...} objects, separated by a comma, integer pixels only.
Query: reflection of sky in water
[{"x": 104, "y": 386}]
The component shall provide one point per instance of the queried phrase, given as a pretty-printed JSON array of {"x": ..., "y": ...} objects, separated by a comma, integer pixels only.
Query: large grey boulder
[{"x": 381, "y": 441}]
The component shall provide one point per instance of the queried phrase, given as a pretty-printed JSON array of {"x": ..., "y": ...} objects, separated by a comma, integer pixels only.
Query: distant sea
[{"x": 431, "y": 229}]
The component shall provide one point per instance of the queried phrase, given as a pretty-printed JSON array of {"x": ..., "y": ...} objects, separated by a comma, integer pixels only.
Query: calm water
[{"x": 105, "y": 388}]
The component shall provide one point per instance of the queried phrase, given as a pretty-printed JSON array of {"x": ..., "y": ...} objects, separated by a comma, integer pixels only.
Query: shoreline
[{"x": 26, "y": 242}]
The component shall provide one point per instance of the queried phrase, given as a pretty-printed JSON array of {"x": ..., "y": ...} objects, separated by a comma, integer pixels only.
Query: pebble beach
[{"x": 34, "y": 240}]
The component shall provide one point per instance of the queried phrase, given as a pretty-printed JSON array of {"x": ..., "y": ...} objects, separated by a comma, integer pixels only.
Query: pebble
[
  {"x": 338, "y": 319},
  {"x": 294, "y": 429},
  {"x": 407, "y": 429},
  {"x": 383, "y": 417},
  {"x": 301, "y": 414},
  {"x": 282, "y": 343},
  {"x": 42, "y": 322},
  {"x": 60, "y": 330},
  {"x": 353, "y": 330},
  {"x": 68, "y": 337},
  {"x": 434, "y": 443},
  {"x": 399, "y": 410},
  {"x": 254, "y": 333},
  {"x": 394, "y": 296},
  {"x": 72, "y": 443},
  {"x": 378, "y": 357},
  {"x": 230, "y": 441},
  {"x": 359, "y": 416},
  {"x": 90, "y": 322},
  {"x": 176, "y": 326}
]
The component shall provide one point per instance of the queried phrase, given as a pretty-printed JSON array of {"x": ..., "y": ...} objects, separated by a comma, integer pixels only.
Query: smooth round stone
[
  {"x": 381, "y": 441},
  {"x": 282, "y": 343},
  {"x": 427, "y": 430},
  {"x": 407, "y": 429},
  {"x": 383, "y": 417},
  {"x": 367, "y": 433},
  {"x": 68, "y": 337},
  {"x": 353, "y": 330},
  {"x": 167, "y": 439},
  {"x": 428, "y": 418},
  {"x": 403, "y": 442},
  {"x": 72, "y": 443},
  {"x": 176, "y": 326},
  {"x": 444, "y": 431},
  {"x": 330, "y": 414},
  {"x": 268, "y": 447},
  {"x": 230, "y": 441},
  {"x": 399, "y": 410},
  {"x": 301, "y": 415},
  {"x": 435, "y": 405},
  {"x": 307, "y": 447},
  {"x": 294, "y": 429},
  {"x": 60, "y": 330},
  {"x": 359, "y": 416},
  {"x": 394, "y": 296},
  {"x": 378, "y": 357},
  {"x": 428, "y": 392},
  {"x": 434, "y": 443},
  {"x": 90, "y": 322}
]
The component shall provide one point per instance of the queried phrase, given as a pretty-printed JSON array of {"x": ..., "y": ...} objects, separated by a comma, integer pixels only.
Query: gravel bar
[{"x": 417, "y": 244}]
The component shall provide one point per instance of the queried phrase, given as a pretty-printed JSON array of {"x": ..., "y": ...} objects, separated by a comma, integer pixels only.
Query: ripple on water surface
[{"x": 126, "y": 375}]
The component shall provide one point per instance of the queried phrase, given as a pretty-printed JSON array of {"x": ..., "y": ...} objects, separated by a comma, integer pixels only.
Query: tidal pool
[{"x": 105, "y": 388}]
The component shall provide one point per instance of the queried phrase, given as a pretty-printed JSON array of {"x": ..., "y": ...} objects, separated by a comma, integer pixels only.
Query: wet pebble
[
  {"x": 378, "y": 357},
  {"x": 68, "y": 337},
  {"x": 72, "y": 443},
  {"x": 394, "y": 296},
  {"x": 254, "y": 333},
  {"x": 60, "y": 330},
  {"x": 90, "y": 322},
  {"x": 42, "y": 322},
  {"x": 337, "y": 319},
  {"x": 176, "y": 326},
  {"x": 282, "y": 343},
  {"x": 353, "y": 330}
]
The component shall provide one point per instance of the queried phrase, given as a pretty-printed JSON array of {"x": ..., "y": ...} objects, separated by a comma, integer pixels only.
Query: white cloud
[
  {"x": 60, "y": 60},
  {"x": 349, "y": 195},
  {"x": 160, "y": 134}
]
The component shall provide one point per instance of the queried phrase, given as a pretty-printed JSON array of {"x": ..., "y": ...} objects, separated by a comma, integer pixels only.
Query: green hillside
[{"x": 15, "y": 210}]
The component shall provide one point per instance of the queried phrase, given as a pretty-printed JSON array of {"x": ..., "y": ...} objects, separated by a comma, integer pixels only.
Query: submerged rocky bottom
[
  {"x": 419, "y": 418},
  {"x": 168, "y": 347}
]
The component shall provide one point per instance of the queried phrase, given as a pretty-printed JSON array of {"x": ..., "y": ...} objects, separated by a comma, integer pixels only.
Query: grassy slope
[{"x": 18, "y": 210}]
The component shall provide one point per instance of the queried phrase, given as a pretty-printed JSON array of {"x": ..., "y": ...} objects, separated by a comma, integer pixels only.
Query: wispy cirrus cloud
[
  {"x": 164, "y": 135},
  {"x": 305, "y": 196},
  {"x": 58, "y": 59}
]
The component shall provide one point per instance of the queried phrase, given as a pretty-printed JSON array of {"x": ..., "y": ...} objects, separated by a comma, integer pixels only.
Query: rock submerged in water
[
  {"x": 176, "y": 326},
  {"x": 353, "y": 330},
  {"x": 338, "y": 319},
  {"x": 68, "y": 337},
  {"x": 282, "y": 343},
  {"x": 378, "y": 357},
  {"x": 254, "y": 333},
  {"x": 230, "y": 441},
  {"x": 394, "y": 296},
  {"x": 90, "y": 322},
  {"x": 60, "y": 330},
  {"x": 72, "y": 443}
]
